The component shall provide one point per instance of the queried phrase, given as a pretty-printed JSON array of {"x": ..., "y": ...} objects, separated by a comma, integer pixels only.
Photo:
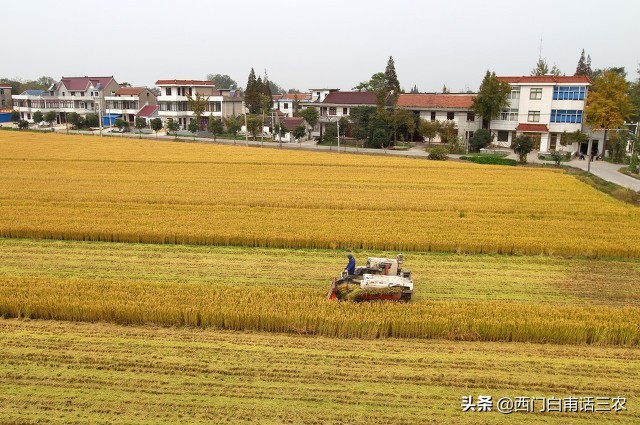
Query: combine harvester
[{"x": 379, "y": 279}]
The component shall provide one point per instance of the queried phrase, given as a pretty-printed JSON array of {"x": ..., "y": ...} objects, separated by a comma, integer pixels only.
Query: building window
[
  {"x": 569, "y": 92},
  {"x": 168, "y": 91},
  {"x": 286, "y": 105},
  {"x": 515, "y": 93},
  {"x": 82, "y": 94},
  {"x": 332, "y": 110},
  {"x": 509, "y": 115},
  {"x": 553, "y": 141},
  {"x": 1, "y": 91},
  {"x": 469, "y": 135},
  {"x": 503, "y": 136},
  {"x": 433, "y": 116},
  {"x": 536, "y": 94},
  {"x": 566, "y": 115},
  {"x": 345, "y": 111},
  {"x": 323, "y": 110},
  {"x": 534, "y": 116},
  {"x": 4, "y": 103},
  {"x": 471, "y": 116},
  {"x": 450, "y": 115}
]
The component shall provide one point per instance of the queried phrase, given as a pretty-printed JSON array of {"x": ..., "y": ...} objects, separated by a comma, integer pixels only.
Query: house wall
[{"x": 5, "y": 97}]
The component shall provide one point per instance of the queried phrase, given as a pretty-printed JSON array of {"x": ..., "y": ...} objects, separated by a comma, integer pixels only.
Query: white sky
[{"x": 314, "y": 44}]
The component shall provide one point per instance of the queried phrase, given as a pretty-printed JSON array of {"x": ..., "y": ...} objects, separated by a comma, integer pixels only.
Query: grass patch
[
  {"x": 618, "y": 192},
  {"x": 489, "y": 159}
]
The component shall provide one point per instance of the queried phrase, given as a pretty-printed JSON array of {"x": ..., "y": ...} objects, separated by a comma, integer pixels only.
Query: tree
[
  {"x": 50, "y": 116},
  {"x": 252, "y": 93},
  {"x": 401, "y": 119},
  {"x": 445, "y": 89},
  {"x": 222, "y": 81},
  {"x": 193, "y": 127},
  {"x": 254, "y": 126},
  {"x": 633, "y": 162},
  {"x": 448, "y": 131},
  {"x": 542, "y": 68},
  {"x": 156, "y": 125},
  {"x": 23, "y": 124},
  {"x": 522, "y": 146},
  {"x": 215, "y": 127},
  {"x": 360, "y": 118},
  {"x": 608, "y": 103},
  {"x": 492, "y": 98},
  {"x": 573, "y": 137},
  {"x": 428, "y": 129},
  {"x": 233, "y": 125},
  {"x": 583, "y": 68},
  {"x": 299, "y": 132},
  {"x": 481, "y": 139},
  {"x": 311, "y": 116},
  {"x": 634, "y": 97},
  {"x": 74, "y": 119},
  {"x": 197, "y": 104},
  {"x": 330, "y": 134},
  {"x": 122, "y": 125},
  {"x": 92, "y": 120},
  {"x": 15, "y": 116},
  {"x": 618, "y": 146},
  {"x": 173, "y": 126},
  {"x": 377, "y": 82},
  {"x": 391, "y": 79},
  {"x": 140, "y": 123},
  {"x": 379, "y": 132},
  {"x": 414, "y": 90},
  {"x": 37, "y": 117}
]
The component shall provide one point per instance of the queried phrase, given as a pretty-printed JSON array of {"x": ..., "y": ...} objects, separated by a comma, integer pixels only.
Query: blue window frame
[
  {"x": 569, "y": 92},
  {"x": 566, "y": 116}
]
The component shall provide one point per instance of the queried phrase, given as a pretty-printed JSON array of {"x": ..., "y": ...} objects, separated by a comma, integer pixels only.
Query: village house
[{"x": 126, "y": 103}]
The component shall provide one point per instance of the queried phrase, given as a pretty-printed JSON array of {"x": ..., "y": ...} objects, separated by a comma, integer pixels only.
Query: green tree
[
  {"x": 583, "y": 68},
  {"x": 492, "y": 98},
  {"x": 140, "y": 123},
  {"x": 156, "y": 125},
  {"x": 481, "y": 139},
  {"x": 311, "y": 116},
  {"x": 92, "y": 120},
  {"x": 74, "y": 119},
  {"x": 574, "y": 137},
  {"x": 252, "y": 93},
  {"x": 360, "y": 117},
  {"x": 23, "y": 124},
  {"x": 608, "y": 103},
  {"x": 379, "y": 131},
  {"x": 37, "y": 117},
  {"x": 50, "y": 116},
  {"x": 633, "y": 162},
  {"x": 330, "y": 134},
  {"x": 198, "y": 105},
  {"x": 222, "y": 81},
  {"x": 299, "y": 132},
  {"x": 215, "y": 127},
  {"x": 392, "y": 85},
  {"x": 15, "y": 116},
  {"x": 618, "y": 146},
  {"x": 634, "y": 97},
  {"x": 401, "y": 120},
  {"x": 193, "y": 127},
  {"x": 522, "y": 146},
  {"x": 233, "y": 125},
  {"x": 448, "y": 131},
  {"x": 254, "y": 126},
  {"x": 542, "y": 68},
  {"x": 172, "y": 127},
  {"x": 428, "y": 129}
]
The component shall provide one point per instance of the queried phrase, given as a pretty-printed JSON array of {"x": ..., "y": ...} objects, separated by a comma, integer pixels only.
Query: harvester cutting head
[{"x": 379, "y": 279}]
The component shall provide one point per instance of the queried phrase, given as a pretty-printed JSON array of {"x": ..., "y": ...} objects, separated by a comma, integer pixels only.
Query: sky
[{"x": 315, "y": 44}]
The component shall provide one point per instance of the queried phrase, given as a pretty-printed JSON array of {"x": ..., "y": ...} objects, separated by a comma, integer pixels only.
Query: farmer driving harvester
[{"x": 351, "y": 266}]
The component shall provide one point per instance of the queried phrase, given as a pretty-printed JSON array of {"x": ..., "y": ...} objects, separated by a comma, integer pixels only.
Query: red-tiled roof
[
  {"x": 81, "y": 83},
  {"x": 4, "y": 86},
  {"x": 436, "y": 100},
  {"x": 351, "y": 98},
  {"x": 533, "y": 128},
  {"x": 147, "y": 110},
  {"x": 292, "y": 122},
  {"x": 290, "y": 96},
  {"x": 130, "y": 91},
  {"x": 552, "y": 79},
  {"x": 184, "y": 83}
]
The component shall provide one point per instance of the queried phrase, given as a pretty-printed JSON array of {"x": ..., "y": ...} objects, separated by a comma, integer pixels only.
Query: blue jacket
[{"x": 351, "y": 267}]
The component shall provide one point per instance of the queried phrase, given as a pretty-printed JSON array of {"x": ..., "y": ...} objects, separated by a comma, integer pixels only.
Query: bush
[
  {"x": 490, "y": 159},
  {"x": 438, "y": 153},
  {"x": 481, "y": 139},
  {"x": 522, "y": 146},
  {"x": 23, "y": 124}
]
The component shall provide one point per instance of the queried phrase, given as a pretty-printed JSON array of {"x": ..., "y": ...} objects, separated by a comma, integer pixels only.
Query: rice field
[
  {"x": 458, "y": 297},
  {"x": 64, "y": 372},
  {"x": 87, "y": 188}
]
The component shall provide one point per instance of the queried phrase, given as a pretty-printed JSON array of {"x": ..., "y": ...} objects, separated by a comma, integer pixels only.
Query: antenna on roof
[{"x": 540, "y": 52}]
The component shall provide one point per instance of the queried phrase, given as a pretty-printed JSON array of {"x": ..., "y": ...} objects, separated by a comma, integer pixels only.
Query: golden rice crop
[{"x": 86, "y": 188}]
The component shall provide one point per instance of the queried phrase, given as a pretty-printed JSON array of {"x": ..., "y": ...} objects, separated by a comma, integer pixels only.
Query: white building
[
  {"x": 286, "y": 103},
  {"x": 126, "y": 102},
  {"x": 543, "y": 108},
  {"x": 82, "y": 95},
  {"x": 173, "y": 101},
  {"x": 444, "y": 107}
]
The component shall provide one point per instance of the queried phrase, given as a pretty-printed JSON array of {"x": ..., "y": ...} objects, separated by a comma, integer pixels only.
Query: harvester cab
[{"x": 378, "y": 279}]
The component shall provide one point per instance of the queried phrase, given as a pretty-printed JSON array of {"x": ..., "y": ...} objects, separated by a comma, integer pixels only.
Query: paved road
[{"x": 602, "y": 169}]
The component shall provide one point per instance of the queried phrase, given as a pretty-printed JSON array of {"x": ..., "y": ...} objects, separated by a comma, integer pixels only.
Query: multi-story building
[
  {"x": 5, "y": 96},
  {"x": 287, "y": 103},
  {"x": 82, "y": 95},
  {"x": 336, "y": 104},
  {"x": 444, "y": 107},
  {"x": 543, "y": 108},
  {"x": 126, "y": 103},
  {"x": 173, "y": 101}
]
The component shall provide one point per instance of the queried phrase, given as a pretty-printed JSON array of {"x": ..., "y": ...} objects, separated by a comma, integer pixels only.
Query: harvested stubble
[{"x": 75, "y": 188}]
